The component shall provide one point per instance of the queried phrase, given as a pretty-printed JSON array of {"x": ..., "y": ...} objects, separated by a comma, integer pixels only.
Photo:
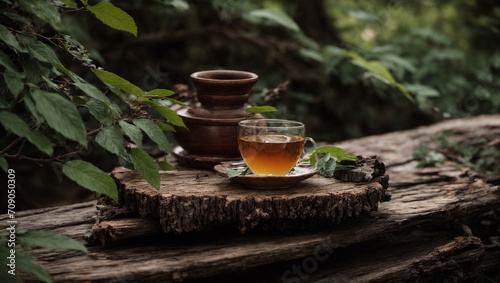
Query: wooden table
[{"x": 422, "y": 234}]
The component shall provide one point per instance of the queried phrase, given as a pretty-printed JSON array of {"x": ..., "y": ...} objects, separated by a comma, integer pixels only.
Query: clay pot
[{"x": 212, "y": 127}]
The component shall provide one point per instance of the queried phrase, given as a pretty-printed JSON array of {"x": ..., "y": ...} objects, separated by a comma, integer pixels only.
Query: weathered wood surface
[
  {"x": 360, "y": 251},
  {"x": 191, "y": 200}
]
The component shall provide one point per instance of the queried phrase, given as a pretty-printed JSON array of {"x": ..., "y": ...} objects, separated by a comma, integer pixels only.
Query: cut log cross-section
[{"x": 195, "y": 199}]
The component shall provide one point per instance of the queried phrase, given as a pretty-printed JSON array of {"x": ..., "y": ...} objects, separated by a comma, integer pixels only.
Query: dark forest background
[{"x": 445, "y": 54}]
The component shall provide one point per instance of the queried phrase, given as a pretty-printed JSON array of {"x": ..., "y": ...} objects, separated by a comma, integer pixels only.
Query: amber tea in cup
[{"x": 271, "y": 147}]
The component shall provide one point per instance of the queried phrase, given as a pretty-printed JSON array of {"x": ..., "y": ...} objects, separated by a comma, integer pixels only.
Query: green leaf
[
  {"x": 70, "y": 3},
  {"x": 102, "y": 113},
  {"x": 116, "y": 91},
  {"x": 9, "y": 39},
  {"x": 92, "y": 91},
  {"x": 277, "y": 17},
  {"x": 119, "y": 82},
  {"x": 146, "y": 166},
  {"x": 6, "y": 62},
  {"x": 311, "y": 54},
  {"x": 126, "y": 162},
  {"x": 337, "y": 152},
  {"x": 50, "y": 84},
  {"x": 30, "y": 105},
  {"x": 95, "y": 93},
  {"x": 34, "y": 70},
  {"x": 50, "y": 240},
  {"x": 133, "y": 132},
  {"x": 165, "y": 166},
  {"x": 111, "y": 139},
  {"x": 159, "y": 92},
  {"x": 4, "y": 268},
  {"x": 421, "y": 152},
  {"x": 180, "y": 5},
  {"x": 67, "y": 72},
  {"x": 4, "y": 262},
  {"x": 154, "y": 133},
  {"x": 78, "y": 101},
  {"x": 377, "y": 68},
  {"x": 114, "y": 17},
  {"x": 432, "y": 159},
  {"x": 165, "y": 127},
  {"x": 16, "y": 125},
  {"x": 363, "y": 16},
  {"x": 238, "y": 171},
  {"x": 170, "y": 115},
  {"x": 39, "y": 50},
  {"x": 25, "y": 263},
  {"x": 178, "y": 103},
  {"x": 41, "y": 142},
  {"x": 260, "y": 109},
  {"x": 326, "y": 166},
  {"x": 3, "y": 164},
  {"x": 164, "y": 111},
  {"x": 14, "y": 81},
  {"x": 44, "y": 10},
  {"x": 6, "y": 105},
  {"x": 90, "y": 177},
  {"x": 399, "y": 61},
  {"x": 18, "y": 19},
  {"x": 422, "y": 92},
  {"x": 61, "y": 115}
]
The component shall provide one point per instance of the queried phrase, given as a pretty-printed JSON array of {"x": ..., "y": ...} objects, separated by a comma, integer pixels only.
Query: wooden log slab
[{"x": 194, "y": 199}]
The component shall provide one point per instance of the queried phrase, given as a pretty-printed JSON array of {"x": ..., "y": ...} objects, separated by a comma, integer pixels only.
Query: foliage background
[{"x": 446, "y": 54}]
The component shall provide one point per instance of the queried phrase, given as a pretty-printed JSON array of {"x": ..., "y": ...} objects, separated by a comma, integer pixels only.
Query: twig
[
  {"x": 74, "y": 10},
  {"x": 21, "y": 147},
  {"x": 68, "y": 154},
  {"x": 11, "y": 145},
  {"x": 90, "y": 135},
  {"x": 41, "y": 160},
  {"x": 22, "y": 157}
]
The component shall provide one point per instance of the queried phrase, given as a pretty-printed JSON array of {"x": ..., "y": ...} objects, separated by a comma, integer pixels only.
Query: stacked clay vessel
[{"x": 212, "y": 125}]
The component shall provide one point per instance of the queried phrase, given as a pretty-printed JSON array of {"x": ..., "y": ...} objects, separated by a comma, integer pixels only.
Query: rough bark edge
[
  {"x": 366, "y": 169},
  {"x": 179, "y": 214}
]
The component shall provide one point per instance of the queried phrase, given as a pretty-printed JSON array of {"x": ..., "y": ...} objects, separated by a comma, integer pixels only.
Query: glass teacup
[{"x": 271, "y": 147}]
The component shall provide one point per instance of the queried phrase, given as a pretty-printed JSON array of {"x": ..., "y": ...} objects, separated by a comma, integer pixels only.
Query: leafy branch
[
  {"x": 43, "y": 100},
  {"x": 44, "y": 105}
]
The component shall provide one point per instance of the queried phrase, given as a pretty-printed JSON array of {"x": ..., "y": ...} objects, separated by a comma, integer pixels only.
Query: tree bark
[{"x": 191, "y": 200}]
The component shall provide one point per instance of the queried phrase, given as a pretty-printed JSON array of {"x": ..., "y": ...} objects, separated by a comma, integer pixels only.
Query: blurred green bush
[{"x": 446, "y": 55}]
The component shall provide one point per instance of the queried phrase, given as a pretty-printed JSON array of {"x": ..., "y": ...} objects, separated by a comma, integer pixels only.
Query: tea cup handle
[{"x": 307, "y": 139}]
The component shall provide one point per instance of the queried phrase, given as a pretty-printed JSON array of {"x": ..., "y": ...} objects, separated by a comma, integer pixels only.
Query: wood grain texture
[{"x": 362, "y": 251}]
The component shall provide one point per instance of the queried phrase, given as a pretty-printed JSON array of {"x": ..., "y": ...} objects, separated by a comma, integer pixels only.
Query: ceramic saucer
[{"x": 298, "y": 173}]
